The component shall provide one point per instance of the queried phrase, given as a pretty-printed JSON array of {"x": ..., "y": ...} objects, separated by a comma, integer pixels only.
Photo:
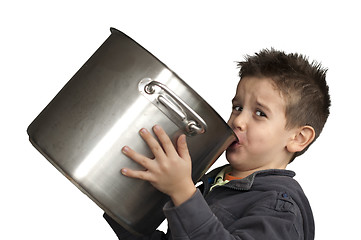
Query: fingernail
[
  {"x": 143, "y": 131},
  {"x": 125, "y": 149},
  {"x": 124, "y": 171},
  {"x": 182, "y": 138}
]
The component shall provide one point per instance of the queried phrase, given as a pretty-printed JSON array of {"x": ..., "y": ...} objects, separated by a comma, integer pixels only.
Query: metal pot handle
[{"x": 192, "y": 122}]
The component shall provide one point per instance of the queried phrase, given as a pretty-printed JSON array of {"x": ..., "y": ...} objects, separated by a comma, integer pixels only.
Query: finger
[
  {"x": 152, "y": 143},
  {"x": 136, "y": 157},
  {"x": 164, "y": 139},
  {"x": 143, "y": 175},
  {"x": 182, "y": 147}
]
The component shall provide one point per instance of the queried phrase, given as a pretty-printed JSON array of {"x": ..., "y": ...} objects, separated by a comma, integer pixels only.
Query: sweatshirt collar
[{"x": 247, "y": 182}]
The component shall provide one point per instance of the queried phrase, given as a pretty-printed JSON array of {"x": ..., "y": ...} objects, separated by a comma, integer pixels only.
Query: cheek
[
  {"x": 230, "y": 120},
  {"x": 262, "y": 139},
  {"x": 259, "y": 136},
  {"x": 266, "y": 139}
]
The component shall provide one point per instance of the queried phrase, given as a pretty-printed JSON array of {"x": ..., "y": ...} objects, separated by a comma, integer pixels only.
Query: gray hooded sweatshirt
[{"x": 267, "y": 204}]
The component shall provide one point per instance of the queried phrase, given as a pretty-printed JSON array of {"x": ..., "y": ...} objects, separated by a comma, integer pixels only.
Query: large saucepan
[{"x": 119, "y": 90}]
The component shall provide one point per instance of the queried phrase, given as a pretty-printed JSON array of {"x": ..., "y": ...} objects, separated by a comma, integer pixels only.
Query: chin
[{"x": 233, "y": 156}]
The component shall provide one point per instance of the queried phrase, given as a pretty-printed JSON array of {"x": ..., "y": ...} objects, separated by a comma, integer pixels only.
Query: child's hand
[{"x": 170, "y": 171}]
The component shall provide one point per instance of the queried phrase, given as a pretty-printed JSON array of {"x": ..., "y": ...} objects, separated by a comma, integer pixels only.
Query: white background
[{"x": 43, "y": 43}]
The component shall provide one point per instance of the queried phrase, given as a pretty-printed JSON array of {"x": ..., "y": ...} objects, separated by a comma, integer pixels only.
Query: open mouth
[
  {"x": 240, "y": 140},
  {"x": 234, "y": 144}
]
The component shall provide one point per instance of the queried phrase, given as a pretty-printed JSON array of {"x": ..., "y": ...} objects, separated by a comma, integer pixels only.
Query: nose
[{"x": 239, "y": 121}]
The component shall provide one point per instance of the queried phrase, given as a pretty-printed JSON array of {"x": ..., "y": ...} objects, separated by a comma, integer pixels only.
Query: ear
[{"x": 301, "y": 138}]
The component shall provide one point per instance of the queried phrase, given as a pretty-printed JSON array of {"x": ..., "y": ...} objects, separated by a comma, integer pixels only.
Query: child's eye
[
  {"x": 237, "y": 108},
  {"x": 260, "y": 113}
]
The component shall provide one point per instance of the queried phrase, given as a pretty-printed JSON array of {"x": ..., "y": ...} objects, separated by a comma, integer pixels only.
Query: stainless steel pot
[{"x": 119, "y": 90}]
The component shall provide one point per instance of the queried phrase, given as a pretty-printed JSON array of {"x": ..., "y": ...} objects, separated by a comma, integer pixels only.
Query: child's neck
[{"x": 245, "y": 173}]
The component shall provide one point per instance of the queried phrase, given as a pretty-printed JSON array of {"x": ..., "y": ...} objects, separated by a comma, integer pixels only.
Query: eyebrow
[
  {"x": 258, "y": 104},
  {"x": 263, "y": 106}
]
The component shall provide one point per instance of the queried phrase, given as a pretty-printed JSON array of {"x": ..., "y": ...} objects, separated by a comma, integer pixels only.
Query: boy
[{"x": 280, "y": 107}]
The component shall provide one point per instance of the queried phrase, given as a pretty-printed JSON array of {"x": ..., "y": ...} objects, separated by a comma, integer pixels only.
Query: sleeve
[
  {"x": 123, "y": 234},
  {"x": 195, "y": 220}
]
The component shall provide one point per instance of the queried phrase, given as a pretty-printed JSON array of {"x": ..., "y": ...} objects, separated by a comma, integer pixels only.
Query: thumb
[{"x": 182, "y": 147}]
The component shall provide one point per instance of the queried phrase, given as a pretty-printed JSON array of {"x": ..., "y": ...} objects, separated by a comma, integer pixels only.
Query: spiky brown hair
[{"x": 303, "y": 84}]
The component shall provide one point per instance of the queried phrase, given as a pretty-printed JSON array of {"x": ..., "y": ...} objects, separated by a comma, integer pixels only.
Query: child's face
[{"x": 258, "y": 119}]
